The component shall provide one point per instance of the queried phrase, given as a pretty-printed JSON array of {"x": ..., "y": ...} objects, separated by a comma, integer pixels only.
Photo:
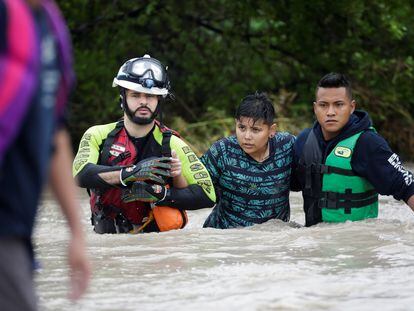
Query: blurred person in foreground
[
  {"x": 141, "y": 175},
  {"x": 251, "y": 170},
  {"x": 36, "y": 77},
  {"x": 342, "y": 163}
]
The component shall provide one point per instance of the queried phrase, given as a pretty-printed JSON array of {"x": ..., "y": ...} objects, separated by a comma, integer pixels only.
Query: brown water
[{"x": 367, "y": 265}]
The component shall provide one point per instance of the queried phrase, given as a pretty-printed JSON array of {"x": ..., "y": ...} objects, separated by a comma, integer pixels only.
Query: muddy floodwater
[{"x": 366, "y": 265}]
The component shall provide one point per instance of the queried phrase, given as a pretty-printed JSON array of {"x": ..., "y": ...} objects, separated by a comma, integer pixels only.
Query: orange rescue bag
[{"x": 169, "y": 218}]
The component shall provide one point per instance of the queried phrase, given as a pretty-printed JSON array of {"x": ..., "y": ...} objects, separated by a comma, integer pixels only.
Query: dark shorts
[{"x": 16, "y": 276}]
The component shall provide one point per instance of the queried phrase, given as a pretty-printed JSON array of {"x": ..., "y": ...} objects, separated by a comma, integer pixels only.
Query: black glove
[
  {"x": 144, "y": 192},
  {"x": 154, "y": 170}
]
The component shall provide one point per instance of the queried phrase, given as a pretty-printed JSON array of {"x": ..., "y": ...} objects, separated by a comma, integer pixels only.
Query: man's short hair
[
  {"x": 335, "y": 80},
  {"x": 258, "y": 107}
]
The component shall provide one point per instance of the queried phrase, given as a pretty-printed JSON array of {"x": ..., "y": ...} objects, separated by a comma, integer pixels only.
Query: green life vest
[{"x": 344, "y": 195}]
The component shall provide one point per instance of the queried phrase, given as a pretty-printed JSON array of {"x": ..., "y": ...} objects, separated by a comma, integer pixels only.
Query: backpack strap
[
  {"x": 164, "y": 128},
  {"x": 165, "y": 145},
  {"x": 108, "y": 143},
  {"x": 166, "y": 138}
]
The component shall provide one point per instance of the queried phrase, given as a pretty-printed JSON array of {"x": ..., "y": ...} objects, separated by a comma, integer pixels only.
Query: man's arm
[
  {"x": 64, "y": 188},
  {"x": 294, "y": 178},
  {"x": 410, "y": 202},
  {"x": 179, "y": 181},
  {"x": 89, "y": 174},
  {"x": 85, "y": 168},
  {"x": 374, "y": 160},
  {"x": 191, "y": 187},
  {"x": 94, "y": 176},
  {"x": 194, "y": 190}
]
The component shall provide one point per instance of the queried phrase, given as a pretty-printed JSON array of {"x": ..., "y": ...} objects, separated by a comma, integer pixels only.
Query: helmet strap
[{"x": 159, "y": 109}]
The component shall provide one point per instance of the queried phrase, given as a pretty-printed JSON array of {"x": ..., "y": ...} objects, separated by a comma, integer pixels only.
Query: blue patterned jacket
[{"x": 249, "y": 192}]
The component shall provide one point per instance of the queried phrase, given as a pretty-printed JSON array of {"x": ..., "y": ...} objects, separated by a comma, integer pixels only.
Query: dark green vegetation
[{"x": 219, "y": 51}]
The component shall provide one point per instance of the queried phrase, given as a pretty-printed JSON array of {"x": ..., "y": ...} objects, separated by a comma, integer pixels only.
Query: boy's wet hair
[
  {"x": 335, "y": 80},
  {"x": 258, "y": 107}
]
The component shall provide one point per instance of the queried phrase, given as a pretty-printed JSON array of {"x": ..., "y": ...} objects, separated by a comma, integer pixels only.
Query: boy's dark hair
[
  {"x": 258, "y": 107},
  {"x": 335, "y": 80}
]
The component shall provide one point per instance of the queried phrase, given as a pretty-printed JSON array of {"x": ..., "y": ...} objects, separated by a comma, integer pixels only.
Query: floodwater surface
[{"x": 366, "y": 265}]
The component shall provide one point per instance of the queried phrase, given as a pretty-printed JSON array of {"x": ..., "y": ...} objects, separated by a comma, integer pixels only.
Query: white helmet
[{"x": 145, "y": 75}]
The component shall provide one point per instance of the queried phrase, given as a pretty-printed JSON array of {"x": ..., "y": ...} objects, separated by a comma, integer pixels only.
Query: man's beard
[{"x": 139, "y": 120}]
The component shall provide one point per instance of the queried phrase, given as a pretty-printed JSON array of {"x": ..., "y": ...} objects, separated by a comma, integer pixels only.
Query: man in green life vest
[
  {"x": 141, "y": 175},
  {"x": 342, "y": 163}
]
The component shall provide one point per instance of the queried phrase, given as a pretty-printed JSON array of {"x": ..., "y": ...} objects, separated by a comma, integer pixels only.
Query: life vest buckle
[
  {"x": 325, "y": 169},
  {"x": 328, "y": 203},
  {"x": 329, "y": 195}
]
